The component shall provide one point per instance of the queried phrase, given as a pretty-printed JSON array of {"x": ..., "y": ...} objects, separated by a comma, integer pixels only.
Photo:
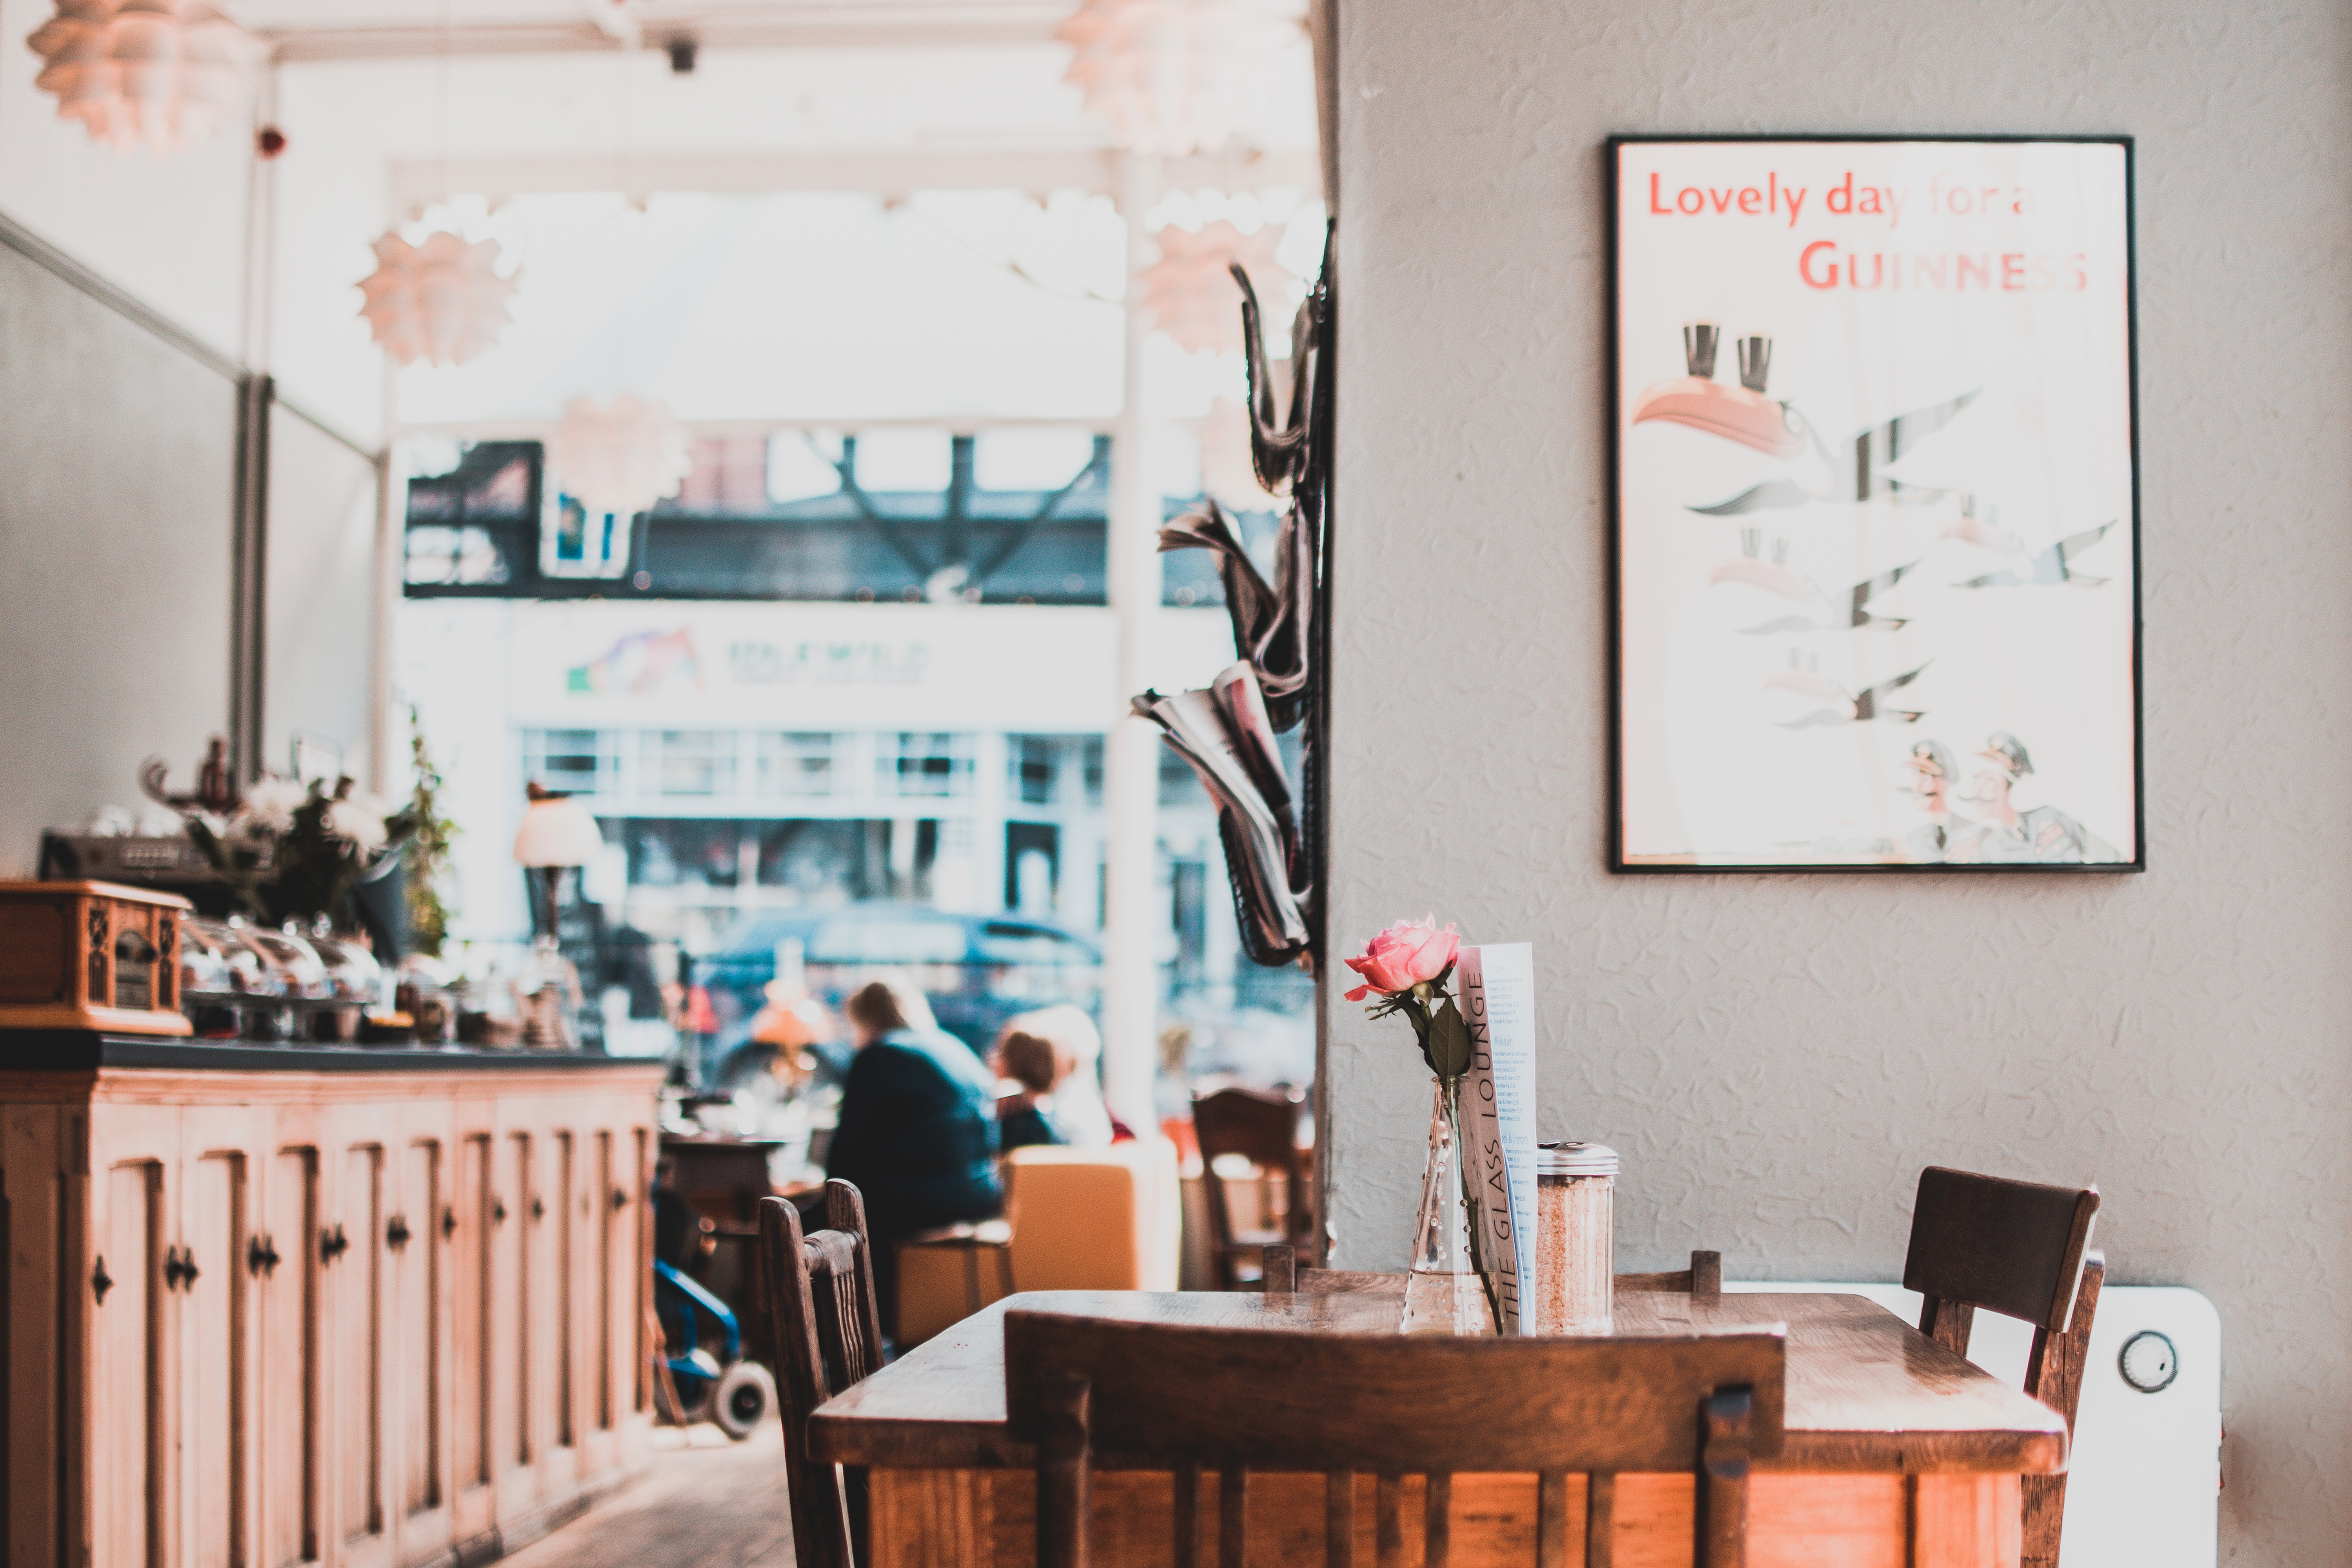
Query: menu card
[{"x": 1498, "y": 1114}]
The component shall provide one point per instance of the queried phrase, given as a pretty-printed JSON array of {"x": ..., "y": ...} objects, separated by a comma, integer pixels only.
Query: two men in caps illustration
[{"x": 1999, "y": 832}]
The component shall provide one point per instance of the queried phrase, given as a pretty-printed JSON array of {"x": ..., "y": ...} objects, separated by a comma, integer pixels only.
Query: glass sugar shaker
[{"x": 1576, "y": 1238}]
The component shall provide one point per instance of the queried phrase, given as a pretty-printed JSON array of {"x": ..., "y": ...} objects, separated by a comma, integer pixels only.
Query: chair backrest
[
  {"x": 2012, "y": 1247},
  {"x": 820, "y": 1289},
  {"x": 1262, "y": 1127},
  {"x": 1389, "y": 1406},
  {"x": 2019, "y": 1248},
  {"x": 1094, "y": 1219}
]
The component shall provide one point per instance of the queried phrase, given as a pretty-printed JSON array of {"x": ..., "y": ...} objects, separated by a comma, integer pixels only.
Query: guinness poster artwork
[{"x": 1877, "y": 533}]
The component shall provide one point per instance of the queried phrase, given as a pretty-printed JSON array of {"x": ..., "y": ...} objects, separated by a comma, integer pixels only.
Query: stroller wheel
[{"x": 746, "y": 1395}]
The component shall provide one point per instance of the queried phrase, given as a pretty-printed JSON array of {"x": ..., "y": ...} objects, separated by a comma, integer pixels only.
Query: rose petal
[{"x": 1359, "y": 994}]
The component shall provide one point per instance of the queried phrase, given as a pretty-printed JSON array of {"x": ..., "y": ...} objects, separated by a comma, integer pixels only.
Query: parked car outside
[{"x": 977, "y": 969}]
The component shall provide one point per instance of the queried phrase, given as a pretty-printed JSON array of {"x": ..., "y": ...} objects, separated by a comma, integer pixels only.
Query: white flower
[
  {"x": 268, "y": 808},
  {"x": 351, "y": 821}
]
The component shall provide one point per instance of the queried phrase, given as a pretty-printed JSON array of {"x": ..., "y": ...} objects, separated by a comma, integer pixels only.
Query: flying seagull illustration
[
  {"x": 1856, "y": 467},
  {"x": 1981, "y": 531},
  {"x": 1848, "y": 609},
  {"x": 1845, "y": 707},
  {"x": 2051, "y": 567}
]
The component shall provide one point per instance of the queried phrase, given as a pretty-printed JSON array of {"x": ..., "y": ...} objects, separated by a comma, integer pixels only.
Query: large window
[
  {"x": 794, "y": 765},
  {"x": 924, "y": 767},
  {"x": 693, "y": 762}
]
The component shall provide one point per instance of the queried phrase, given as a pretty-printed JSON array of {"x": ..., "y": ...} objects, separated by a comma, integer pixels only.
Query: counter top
[{"x": 75, "y": 1050}]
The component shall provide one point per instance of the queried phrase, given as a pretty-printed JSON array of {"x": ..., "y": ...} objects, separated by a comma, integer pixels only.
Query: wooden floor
[{"x": 709, "y": 1503}]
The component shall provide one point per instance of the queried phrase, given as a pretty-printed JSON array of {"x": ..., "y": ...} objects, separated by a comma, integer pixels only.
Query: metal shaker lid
[{"x": 1575, "y": 1160}]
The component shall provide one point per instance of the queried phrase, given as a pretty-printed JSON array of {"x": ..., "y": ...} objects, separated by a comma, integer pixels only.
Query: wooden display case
[
  {"x": 90, "y": 955},
  {"x": 268, "y": 1306}
]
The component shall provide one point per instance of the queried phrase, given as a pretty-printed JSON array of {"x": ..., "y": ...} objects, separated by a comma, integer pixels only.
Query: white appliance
[{"x": 2144, "y": 1491}]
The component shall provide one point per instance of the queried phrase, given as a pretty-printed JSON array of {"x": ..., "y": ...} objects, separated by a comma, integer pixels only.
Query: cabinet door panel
[
  {"x": 417, "y": 1291},
  {"x": 607, "y": 1345},
  {"x": 288, "y": 1291},
  {"x": 128, "y": 1529},
  {"x": 515, "y": 1302},
  {"x": 358, "y": 1355},
  {"x": 569, "y": 1200},
  {"x": 470, "y": 1315},
  {"x": 213, "y": 1353}
]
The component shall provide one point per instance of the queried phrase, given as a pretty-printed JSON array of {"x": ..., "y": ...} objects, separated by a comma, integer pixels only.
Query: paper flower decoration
[
  {"x": 1175, "y": 77},
  {"x": 620, "y": 457},
  {"x": 1226, "y": 475},
  {"x": 442, "y": 302},
  {"x": 1193, "y": 298},
  {"x": 163, "y": 74}
]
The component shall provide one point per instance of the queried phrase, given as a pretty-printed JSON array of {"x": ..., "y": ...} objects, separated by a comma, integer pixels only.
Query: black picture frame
[{"x": 1612, "y": 155}]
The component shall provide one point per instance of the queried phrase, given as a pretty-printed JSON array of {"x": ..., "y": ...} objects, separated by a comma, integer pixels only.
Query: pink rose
[{"x": 1405, "y": 955}]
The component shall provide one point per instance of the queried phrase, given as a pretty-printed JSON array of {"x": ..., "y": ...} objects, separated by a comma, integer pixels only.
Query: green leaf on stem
[{"x": 1447, "y": 1043}]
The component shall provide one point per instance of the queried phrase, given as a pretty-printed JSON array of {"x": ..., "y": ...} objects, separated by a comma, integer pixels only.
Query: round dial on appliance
[{"x": 2148, "y": 1361}]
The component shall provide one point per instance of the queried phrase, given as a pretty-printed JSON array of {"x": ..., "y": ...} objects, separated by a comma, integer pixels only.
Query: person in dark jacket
[{"x": 917, "y": 1130}]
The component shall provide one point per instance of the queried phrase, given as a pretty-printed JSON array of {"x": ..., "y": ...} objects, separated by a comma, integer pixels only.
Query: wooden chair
[
  {"x": 820, "y": 1291},
  {"x": 1262, "y": 1127},
  {"x": 2017, "y": 1248},
  {"x": 1230, "y": 1400},
  {"x": 1280, "y": 1272}
]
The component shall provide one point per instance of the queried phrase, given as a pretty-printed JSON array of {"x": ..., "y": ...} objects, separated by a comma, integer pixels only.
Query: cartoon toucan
[
  {"x": 2051, "y": 567},
  {"x": 1845, "y": 708},
  {"x": 1846, "y": 610},
  {"x": 1742, "y": 413},
  {"x": 1854, "y": 470}
]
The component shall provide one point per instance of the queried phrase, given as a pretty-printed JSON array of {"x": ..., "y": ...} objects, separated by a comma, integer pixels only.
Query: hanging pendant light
[
  {"x": 162, "y": 74},
  {"x": 619, "y": 457},
  {"x": 1191, "y": 296},
  {"x": 1177, "y": 76},
  {"x": 442, "y": 302},
  {"x": 1226, "y": 475}
]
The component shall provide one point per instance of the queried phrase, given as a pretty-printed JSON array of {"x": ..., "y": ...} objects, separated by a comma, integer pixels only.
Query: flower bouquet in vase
[{"x": 1448, "y": 1290}]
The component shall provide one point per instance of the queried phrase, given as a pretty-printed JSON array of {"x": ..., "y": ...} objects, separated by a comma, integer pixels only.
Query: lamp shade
[
  {"x": 442, "y": 302},
  {"x": 161, "y": 74},
  {"x": 1177, "y": 76},
  {"x": 1193, "y": 297},
  {"x": 619, "y": 457},
  {"x": 558, "y": 831}
]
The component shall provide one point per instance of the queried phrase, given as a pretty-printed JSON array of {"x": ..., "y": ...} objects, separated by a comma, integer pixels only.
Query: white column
[{"x": 1130, "y": 1014}]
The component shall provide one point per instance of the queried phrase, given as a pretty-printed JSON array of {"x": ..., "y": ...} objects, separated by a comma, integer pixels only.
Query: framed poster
[{"x": 1877, "y": 533}]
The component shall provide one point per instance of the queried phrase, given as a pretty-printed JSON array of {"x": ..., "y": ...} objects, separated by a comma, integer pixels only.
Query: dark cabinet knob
[
  {"x": 620, "y": 1199},
  {"x": 333, "y": 1243},
  {"x": 261, "y": 1256},
  {"x": 395, "y": 1233},
  {"x": 187, "y": 1267},
  {"x": 179, "y": 1267},
  {"x": 498, "y": 1211},
  {"x": 448, "y": 1222},
  {"x": 538, "y": 1209},
  {"x": 100, "y": 1281}
]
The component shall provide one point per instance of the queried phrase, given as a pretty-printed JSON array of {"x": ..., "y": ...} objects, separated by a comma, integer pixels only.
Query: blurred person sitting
[
  {"x": 917, "y": 1130},
  {"x": 1025, "y": 1117},
  {"x": 1079, "y": 1106}
]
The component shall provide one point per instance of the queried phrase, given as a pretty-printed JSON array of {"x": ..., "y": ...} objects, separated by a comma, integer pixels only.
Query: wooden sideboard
[{"x": 268, "y": 1306}]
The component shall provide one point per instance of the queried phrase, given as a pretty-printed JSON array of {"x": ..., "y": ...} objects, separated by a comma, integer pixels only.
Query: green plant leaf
[{"x": 1448, "y": 1042}]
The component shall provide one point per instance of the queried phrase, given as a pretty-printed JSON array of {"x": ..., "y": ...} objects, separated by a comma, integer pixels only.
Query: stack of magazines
[{"x": 1225, "y": 734}]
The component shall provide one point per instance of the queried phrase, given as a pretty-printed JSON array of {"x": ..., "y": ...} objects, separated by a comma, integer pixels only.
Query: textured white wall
[{"x": 1777, "y": 1055}]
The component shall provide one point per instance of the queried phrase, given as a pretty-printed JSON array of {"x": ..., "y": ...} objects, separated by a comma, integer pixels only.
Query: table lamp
[{"x": 556, "y": 832}]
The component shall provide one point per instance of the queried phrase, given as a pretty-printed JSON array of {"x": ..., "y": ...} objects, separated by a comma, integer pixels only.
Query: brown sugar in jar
[{"x": 1576, "y": 1238}]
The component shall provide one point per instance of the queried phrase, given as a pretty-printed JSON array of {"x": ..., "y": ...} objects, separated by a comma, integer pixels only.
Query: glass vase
[{"x": 1443, "y": 1292}]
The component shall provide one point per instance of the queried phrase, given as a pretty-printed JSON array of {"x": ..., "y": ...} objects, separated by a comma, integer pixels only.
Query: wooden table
[{"x": 1898, "y": 1454}]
